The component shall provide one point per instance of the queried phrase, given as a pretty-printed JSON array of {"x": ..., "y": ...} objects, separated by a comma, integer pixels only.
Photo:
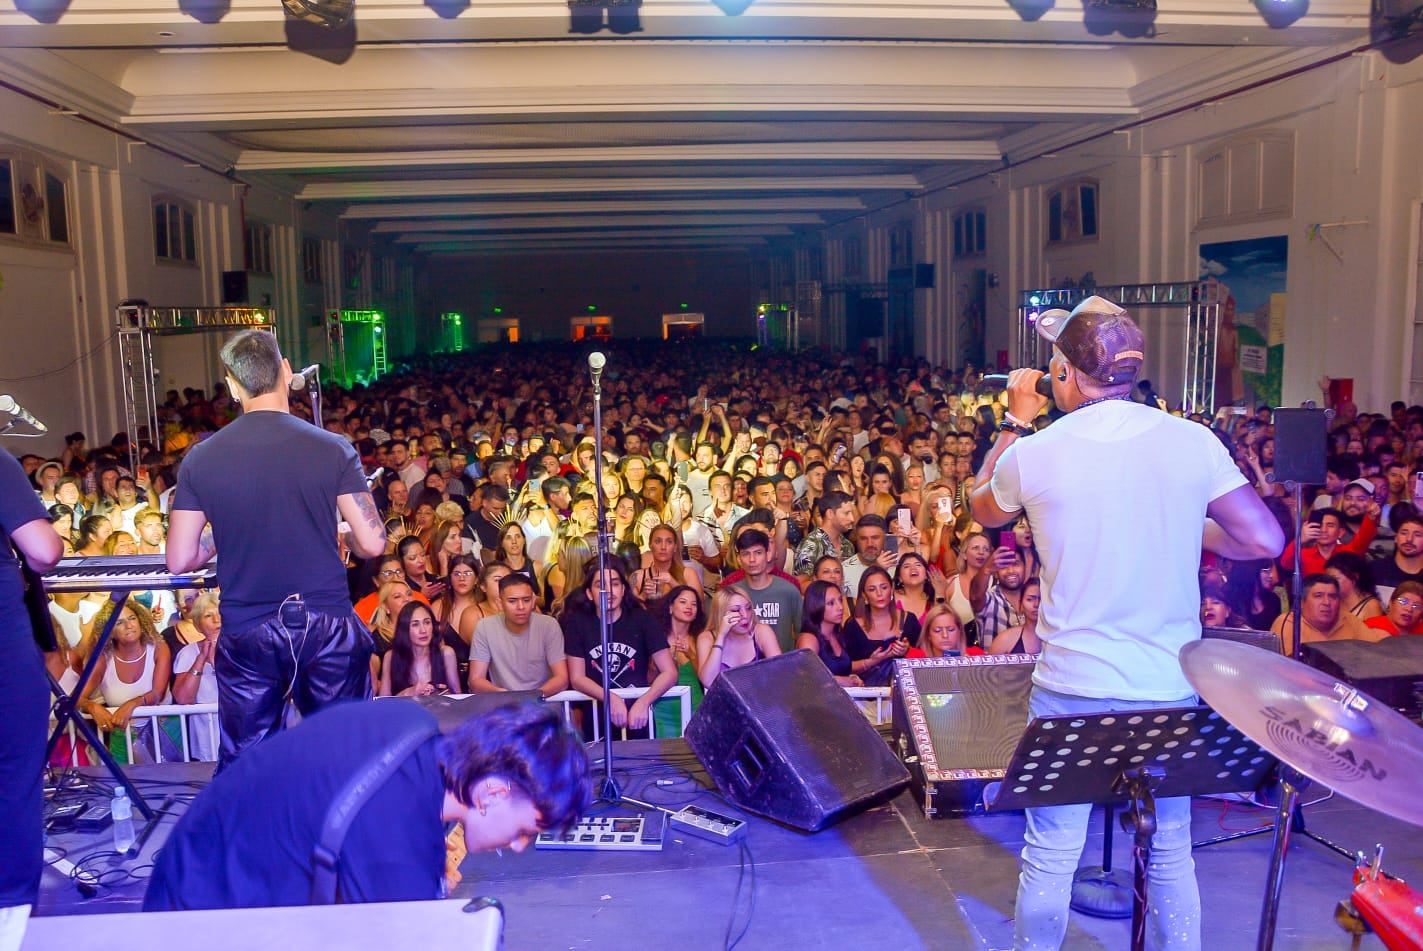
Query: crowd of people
[{"x": 755, "y": 502}]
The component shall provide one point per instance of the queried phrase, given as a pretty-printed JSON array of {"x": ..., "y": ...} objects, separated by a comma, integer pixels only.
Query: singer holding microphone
[
  {"x": 1121, "y": 498},
  {"x": 269, "y": 486}
]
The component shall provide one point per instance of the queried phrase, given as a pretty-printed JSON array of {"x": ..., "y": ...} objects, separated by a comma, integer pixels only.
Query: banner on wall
[{"x": 1250, "y": 351}]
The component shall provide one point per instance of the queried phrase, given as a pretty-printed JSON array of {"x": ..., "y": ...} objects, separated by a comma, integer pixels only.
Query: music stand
[
  {"x": 66, "y": 711},
  {"x": 1132, "y": 755}
]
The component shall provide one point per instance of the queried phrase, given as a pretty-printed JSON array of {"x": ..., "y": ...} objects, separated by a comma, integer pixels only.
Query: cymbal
[{"x": 1325, "y": 729}]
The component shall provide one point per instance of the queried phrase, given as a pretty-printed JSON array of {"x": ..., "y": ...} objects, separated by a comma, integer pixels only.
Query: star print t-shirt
[{"x": 632, "y": 640}]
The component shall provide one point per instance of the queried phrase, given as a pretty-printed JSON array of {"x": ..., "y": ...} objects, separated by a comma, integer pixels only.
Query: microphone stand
[{"x": 609, "y": 792}]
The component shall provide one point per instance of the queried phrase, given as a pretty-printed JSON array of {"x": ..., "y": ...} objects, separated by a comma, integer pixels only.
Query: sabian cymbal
[{"x": 1324, "y": 728}]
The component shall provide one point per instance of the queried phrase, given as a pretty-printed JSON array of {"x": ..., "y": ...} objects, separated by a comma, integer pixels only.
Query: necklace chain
[{"x": 1100, "y": 399}]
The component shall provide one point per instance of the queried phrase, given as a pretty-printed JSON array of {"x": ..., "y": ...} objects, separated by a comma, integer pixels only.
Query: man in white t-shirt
[{"x": 1121, "y": 499}]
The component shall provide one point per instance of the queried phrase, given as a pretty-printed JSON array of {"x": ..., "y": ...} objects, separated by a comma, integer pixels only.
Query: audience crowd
[{"x": 756, "y": 503}]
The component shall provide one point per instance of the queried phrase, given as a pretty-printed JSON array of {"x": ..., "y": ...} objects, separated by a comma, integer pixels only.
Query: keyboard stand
[{"x": 66, "y": 712}]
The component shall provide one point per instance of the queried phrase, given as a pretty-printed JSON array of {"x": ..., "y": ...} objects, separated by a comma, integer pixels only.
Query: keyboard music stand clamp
[
  {"x": 66, "y": 712},
  {"x": 1137, "y": 756}
]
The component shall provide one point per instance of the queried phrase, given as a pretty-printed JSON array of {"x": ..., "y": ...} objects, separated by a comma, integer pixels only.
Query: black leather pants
[{"x": 312, "y": 658}]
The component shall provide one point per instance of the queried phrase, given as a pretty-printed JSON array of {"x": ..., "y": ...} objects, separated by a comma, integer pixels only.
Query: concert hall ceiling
[{"x": 457, "y": 127}]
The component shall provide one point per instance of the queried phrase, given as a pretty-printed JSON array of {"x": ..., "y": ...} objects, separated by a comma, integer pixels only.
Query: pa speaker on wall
[
  {"x": 869, "y": 317},
  {"x": 924, "y": 275},
  {"x": 957, "y": 721},
  {"x": 234, "y": 287},
  {"x": 782, "y": 739},
  {"x": 1301, "y": 442}
]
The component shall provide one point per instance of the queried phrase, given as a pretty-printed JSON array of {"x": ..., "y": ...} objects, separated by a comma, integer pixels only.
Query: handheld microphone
[
  {"x": 1044, "y": 384},
  {"x": 8, "y": 405},
  {"x": 596, "y": 362},
  {"x": 306, "y": 377}
]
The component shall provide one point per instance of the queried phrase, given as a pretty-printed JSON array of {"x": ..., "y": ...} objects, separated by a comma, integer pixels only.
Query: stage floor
[{"x": 885, "y": 878}]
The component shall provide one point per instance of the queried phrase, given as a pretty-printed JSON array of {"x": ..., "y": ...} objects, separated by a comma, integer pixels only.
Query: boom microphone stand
[{"x": 609, "y": 792}]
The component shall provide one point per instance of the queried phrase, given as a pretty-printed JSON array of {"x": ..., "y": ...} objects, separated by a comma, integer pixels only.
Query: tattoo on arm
[
  {"x": 367, "y": 505},
  {"x": 207, "y": 548}
]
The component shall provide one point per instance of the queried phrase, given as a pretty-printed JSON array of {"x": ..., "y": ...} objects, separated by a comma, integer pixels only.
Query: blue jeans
[{"x": 1053, "y": 847}]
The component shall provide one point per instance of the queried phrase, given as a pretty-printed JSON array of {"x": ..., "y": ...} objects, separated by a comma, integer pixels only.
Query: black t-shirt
[
  {"x": 485, "y": 531},
  {"x": 18, "y": 506},
  {"x": 247, "y": 840},
  {"x": 268, "y": 483},
  {"x": 632, "y": 639},
  {"x": 1387, "y": 574}
]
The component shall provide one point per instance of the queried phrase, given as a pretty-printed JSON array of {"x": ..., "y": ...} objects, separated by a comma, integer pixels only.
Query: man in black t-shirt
[
  {"x": 638, "y": 654},
  {"x": 24, "y": 698},
  {"x": 249, "y": 838},
  {"x": 1406, "y": 562},
  {"x": 270, "y": 486}
]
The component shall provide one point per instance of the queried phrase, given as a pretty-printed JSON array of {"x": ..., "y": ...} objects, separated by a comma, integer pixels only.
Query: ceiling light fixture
[{"x": 332, "y": 14}]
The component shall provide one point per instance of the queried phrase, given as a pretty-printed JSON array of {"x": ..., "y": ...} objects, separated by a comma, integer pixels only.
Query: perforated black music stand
[{"x": 1136, "y": 756}]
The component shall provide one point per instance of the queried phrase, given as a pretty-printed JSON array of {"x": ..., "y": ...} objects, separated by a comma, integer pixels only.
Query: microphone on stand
[
  {"x": 1000, "y": 380},
  {"x": 596, "y": 361},
  {"x": 305, "y": 378},
  {"x": 8, "y": 405}
]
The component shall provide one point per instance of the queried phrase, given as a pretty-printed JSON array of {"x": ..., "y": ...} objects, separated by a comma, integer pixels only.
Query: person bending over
[{"x": 249, "y": 839}]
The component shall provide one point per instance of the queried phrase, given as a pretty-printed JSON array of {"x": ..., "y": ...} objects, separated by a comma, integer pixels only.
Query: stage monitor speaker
[
  {"x": 234, "y": 287},
  {"x": 782, "y": 739},
  {"x": 1301, "y": 442},
  {"x": 1390, "y": 670},
  {"x": 957, "y": 721}
]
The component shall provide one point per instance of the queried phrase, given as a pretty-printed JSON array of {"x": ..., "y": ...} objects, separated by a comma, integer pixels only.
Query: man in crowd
[
  {"x": 837, "y": 518},
  {"x": 405, "y": 465},
  {"x": 1406, "y": 562},
  {"x": 870, "y": 549},
  {"x": 776, "y": 600},
  {"x": 487, "y": 521},
  {"x": 1004, "y": 605},
  {"x": 269, "y": 484},
  {"x": 1359, "y": 510},
  {"x": 1321, "y": 618},
  {"x": 517, "y": 649},
  {"x": 149, "y": 525},
  {"x": 699, "y": 478},
  {"x": 1105, "y": 646},
  {"x": 1321, "y": 534}
]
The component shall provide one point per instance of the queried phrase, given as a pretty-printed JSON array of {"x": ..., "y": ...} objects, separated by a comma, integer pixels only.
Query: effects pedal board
[
  {"x": 609, "y": 834},
  {"x": 709, "y": 824}
]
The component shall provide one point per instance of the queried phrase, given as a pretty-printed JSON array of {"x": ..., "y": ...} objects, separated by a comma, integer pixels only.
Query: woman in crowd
[
  {"x": 943, "y": 636},
  {"x": 383, "y": 570},
  {"x": 194, "y": 680},
  {"x": 859, "y": 482},
  {"x": 913, "y": 494},
  {"x": 936, "y": 527},
  {"x": 1023, "y": 538},
  {"x": 486, "y": 598},
  {"x": 1405, "y": 611},
  {"x": 1023, "y": 638},
  {"x": 1216, "y": 610},
  {"x": 133, "y": 671},
  {"x": 424, "y": 524},
  {"x": 912, "y": 582},
  {"x": 882, "y": 499},
  {"x": 962, "y": 594},
  {"x": 392, "y": 597},
  {"x": 512, "y": 551},
  {"x": 733, "y": 636},
  {"x": 883, "y": 633},
  {"x": 61, "y": 518},
  {"x": 823, "y": 623},
  {"x": 94, "y": 530},
  {"x": 894, "y": 468},
  {"x": 415, "y": 563},
  {"x": 445, "y": 545},
  {"x": 663, "y": 568},
  {"x": 1252, "y": 591},
  {"x": 453, "y": 610},
  {"x": 828, "y": 568},
  {"x": 417, "y": 664},
  {"x": 566, "y": 574},
  {"x": 1356, "y": 584},
  {"x": 625, "y": 513},
  {"x": 120, "y": 543},
  {"x": 682, "y": 618}
]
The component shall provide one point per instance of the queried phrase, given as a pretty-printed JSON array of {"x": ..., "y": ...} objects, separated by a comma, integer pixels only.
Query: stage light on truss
[
  {"x": 1279, "y": 14},
  {"x": 332, "y": 14}
]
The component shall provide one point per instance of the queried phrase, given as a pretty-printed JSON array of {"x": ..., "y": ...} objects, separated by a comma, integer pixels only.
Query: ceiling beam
[
  {"x": 321, "y": 191},
  {"x": 551, "y": 222},
  {"x": 380, "y": 211},
  {"x": 593, "y": 235}
]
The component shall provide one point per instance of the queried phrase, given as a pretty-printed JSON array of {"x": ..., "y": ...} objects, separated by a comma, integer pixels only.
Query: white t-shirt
[
  {"x": 71, "y": 623},
  {"x": 1116, "y": 495},
  {"x": 202, "y": 727}
]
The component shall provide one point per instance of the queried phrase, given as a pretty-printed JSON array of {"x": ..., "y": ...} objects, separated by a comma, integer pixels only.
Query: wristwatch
[{"x": 1007, "y": 426}]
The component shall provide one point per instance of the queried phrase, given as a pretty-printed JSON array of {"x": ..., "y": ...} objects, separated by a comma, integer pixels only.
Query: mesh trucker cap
[{"x": 1098, "y": 338}]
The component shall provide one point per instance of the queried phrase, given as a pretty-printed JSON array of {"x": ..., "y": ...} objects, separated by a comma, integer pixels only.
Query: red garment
[
  {"x": 1382, "y": 623},
  {"x": 1312, "y": 562},
  {"x": 971, "y": 652}
]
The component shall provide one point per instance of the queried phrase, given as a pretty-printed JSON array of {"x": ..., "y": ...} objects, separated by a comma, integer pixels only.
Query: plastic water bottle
[{"x": 122, "y": 811}]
